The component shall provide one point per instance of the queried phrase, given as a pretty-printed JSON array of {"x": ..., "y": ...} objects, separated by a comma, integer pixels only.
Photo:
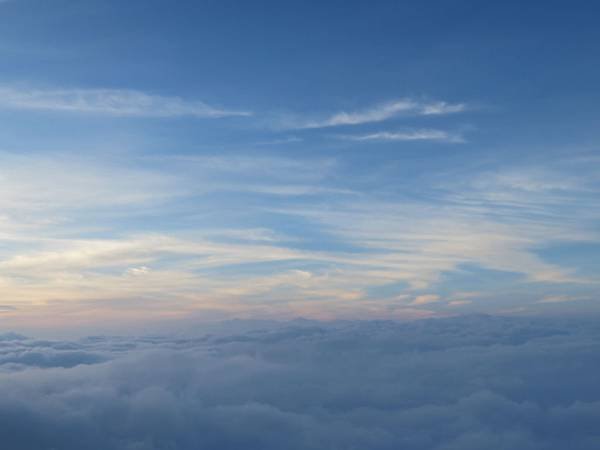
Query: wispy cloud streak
[
  {"x": 410, "y": 135},
  {"x": 115, "y": 102},
  {"x": 382, "y": 112}
]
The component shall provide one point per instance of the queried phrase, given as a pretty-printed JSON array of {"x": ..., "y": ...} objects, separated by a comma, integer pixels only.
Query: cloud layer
[{"x": 465, "y": 383}]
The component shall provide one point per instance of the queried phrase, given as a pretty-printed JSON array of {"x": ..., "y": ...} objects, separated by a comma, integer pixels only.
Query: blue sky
[{"x": 282, "y": 159}]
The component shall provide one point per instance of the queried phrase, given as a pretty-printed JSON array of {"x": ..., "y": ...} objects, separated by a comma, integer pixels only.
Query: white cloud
[
  {"x": 137, "y": 271},
  {"x": 425, "y": 299},
  {"x": 459, "y": 302},
  {"x": 431, "y": 109},
  {"x": 381, "y": 112},
  {"x": 560, "y": 299},
  {"x": 412, "y": 135},
  {"x": 116, "y": 102}
]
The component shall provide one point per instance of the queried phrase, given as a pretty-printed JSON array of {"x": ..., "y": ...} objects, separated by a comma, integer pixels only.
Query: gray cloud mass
[{"x": 468, "y": 383}]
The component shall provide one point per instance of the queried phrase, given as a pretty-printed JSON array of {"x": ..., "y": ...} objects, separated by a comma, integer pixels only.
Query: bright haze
[{"x": 312, "y": 225}]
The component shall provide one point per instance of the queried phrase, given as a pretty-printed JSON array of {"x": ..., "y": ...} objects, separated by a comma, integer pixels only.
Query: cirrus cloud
[{"x": 115, "y": 102}]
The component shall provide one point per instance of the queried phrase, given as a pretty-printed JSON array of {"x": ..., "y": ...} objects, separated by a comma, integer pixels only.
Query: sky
[{"x": 164, "y": 161}]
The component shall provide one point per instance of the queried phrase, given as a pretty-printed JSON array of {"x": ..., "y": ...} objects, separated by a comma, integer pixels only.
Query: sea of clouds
[{"x": 468, "y": 383}]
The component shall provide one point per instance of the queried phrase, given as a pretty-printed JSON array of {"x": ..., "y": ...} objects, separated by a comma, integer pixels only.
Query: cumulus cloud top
[{"x": 465, "y": 383}]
